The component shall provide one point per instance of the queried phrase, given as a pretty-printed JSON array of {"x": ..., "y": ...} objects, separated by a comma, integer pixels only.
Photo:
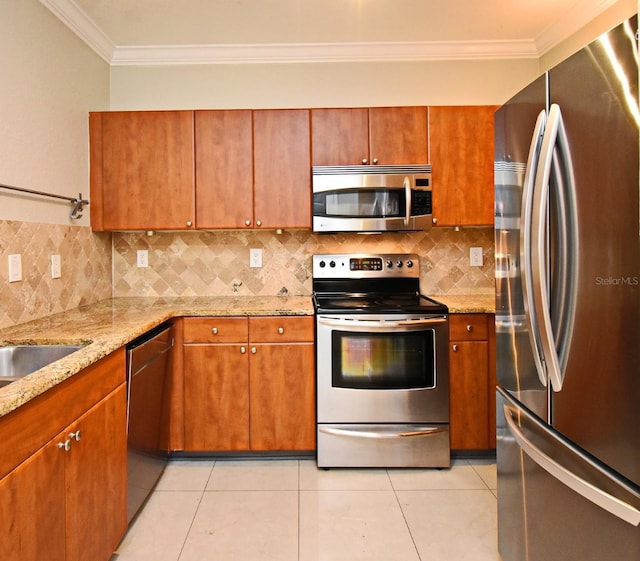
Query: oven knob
[
  {"x": 399, "y": 264},
  {"x": 389, "y": 264},
  {"x": 322, "y": 264},
  {"x": 332, "y": 264},
  {"x": 409, "y": 264}
]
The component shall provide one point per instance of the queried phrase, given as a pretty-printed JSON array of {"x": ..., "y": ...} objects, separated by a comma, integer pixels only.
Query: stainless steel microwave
[{"x": 371, "y": 198}]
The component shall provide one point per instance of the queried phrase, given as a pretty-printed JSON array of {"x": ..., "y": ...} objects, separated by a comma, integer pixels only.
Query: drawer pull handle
[
  {"x": 214, "y": 330},
  {"x": 469, "y": 328},
  {"x": 281, "y": 330}
]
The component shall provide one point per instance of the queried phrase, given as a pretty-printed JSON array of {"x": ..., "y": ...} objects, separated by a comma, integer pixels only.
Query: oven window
[{"x": 385, "y": 361}]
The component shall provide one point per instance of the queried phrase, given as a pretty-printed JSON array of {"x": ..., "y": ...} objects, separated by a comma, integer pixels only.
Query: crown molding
[
  {"x": 322, "y": 52},
  {"x": 122, "y": 55}
]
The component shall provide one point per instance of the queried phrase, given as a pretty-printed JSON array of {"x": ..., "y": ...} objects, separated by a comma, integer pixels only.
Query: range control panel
[{"x": 387, "y": 265}]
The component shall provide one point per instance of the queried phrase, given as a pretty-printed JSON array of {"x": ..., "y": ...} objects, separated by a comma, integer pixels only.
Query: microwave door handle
[
  {"x": 526, "y": 240},
  {"x": 407, "y": 194}
]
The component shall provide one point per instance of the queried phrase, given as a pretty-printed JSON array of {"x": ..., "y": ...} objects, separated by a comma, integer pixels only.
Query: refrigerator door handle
[
  {"x": 554, "y": 141},
  {"x": 526, "y": 222},
  {"x": 604, "y": 500}
]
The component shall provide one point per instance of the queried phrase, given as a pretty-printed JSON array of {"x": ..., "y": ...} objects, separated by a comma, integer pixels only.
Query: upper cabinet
[
  {"x": 142, "y": 170},
  {"x": 224, "y": 169},
  {"x": 176, "y": 170},
  {"x": 462, "y": 165},
  {"x": 282, "y": 168},
  {"x": 379, "y": 135}
]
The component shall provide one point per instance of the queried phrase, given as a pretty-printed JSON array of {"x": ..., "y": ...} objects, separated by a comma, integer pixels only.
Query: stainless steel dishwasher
[{"x": 148, "y": 367}]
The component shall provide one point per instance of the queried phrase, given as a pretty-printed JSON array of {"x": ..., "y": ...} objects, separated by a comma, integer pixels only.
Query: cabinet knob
[
  {"x": 189, "y": 223},
  {"x": 364, "y": 160},
  {"x": 243, "y": 350},
  {"x": 281, "y": 330},
  {"x": 455, "y": 348},
  {"x": 375, "y": 160},
  {"x": 247, "y": 222},
  {"x": 214, "y": 330},
  {"x": 434, "y": 220},
  {"x": 258, "y": 222},
  {"x": 75, "y": 435},
  {"x": 66, "y": 445},
  {"x": 253, "y": 350},
  {"x": 469, "y": 328}
]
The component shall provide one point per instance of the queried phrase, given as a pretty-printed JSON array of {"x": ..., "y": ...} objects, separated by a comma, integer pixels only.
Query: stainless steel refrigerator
[{"x": 567, "y": 227}]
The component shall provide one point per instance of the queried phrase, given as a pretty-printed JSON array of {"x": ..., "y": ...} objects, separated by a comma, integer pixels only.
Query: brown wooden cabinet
[
  {"x": 282, "y": 168},
  {"x": 249, "y": 384},
  {"x": 461, "y": 141},
  {"x": 142, "y": 174},
  {"x": 377, "y": 135},
  {"x": 224, "y": 169},
  {"x": 64, "y": 490},
  {"x": 472, "y": 381}
]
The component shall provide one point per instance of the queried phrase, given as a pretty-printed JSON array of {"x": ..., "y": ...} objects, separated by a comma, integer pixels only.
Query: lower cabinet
[
  {"x": 472, "y": 381},
  {"x": 66, "y": 501},
  {"x": 249, "y": 384}
]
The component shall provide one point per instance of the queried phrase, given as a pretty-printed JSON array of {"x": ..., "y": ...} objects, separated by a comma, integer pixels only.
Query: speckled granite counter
[
  {"x": 110, "y": 324},
  {"x": 468, "y": 303}
]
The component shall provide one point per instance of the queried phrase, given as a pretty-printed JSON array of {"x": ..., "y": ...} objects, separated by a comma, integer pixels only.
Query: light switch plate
[
  {"x": 15, "y": 267},
  {"x": 56, "y": 267},
  {"x": 475, "y": 256}
]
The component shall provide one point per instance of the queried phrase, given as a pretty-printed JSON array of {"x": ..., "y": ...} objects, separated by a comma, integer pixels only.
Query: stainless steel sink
[{"x": 19, "y": 360}]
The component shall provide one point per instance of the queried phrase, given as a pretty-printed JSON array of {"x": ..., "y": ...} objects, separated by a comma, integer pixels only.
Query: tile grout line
[{"x": 404, "y": 517}]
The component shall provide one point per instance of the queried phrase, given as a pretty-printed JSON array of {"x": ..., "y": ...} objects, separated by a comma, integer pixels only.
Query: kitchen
[{"x": 87, "y": 265}]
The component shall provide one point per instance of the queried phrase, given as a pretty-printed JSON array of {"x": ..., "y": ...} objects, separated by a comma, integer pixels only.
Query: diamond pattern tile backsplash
[
  {"x": 217, "y": 263},
  {"x": 85, "y": 265}
]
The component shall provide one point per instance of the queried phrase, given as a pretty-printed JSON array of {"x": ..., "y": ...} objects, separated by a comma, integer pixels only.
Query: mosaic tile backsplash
[
  {"x": 217, "y": 263},
  {"x": 85, "y": 265}
]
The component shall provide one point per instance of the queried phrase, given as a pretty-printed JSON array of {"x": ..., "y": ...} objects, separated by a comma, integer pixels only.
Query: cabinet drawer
[
  {"x": 281, "y": 329},
  {"x": 215, "y": 330},
  {"x": 468, "y": 327}
]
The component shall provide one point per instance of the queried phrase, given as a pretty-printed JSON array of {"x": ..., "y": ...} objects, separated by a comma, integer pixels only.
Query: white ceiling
[{"x": 217, "y": 31}]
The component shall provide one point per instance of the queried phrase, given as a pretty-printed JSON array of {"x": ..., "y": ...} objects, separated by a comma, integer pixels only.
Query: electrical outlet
[
  {"x": 56, "y": 267},
  {"x": 142, "y": 258},
  {"x": 475, "y": 256},
  {"x": 255, "y": 258},
  {"x": 15, "y": 267}
]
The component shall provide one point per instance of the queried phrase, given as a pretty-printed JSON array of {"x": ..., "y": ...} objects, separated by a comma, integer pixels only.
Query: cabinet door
[
  {"x": 142, "y": 175},
  {"x": 216, "y": 395},
  {"x": 282, "y": 168},
  {"x": 469, "y": 395},
  {"x": 340, "y": 137},
  {"x": 462, "y": 143},
  {"x": 224, "y": 169},
  {"x": 96, "y": 480},
  {"x": 398, "y": 135},
  {"x": 32, "y": 508},
  {"x": 282, "y": 399}
]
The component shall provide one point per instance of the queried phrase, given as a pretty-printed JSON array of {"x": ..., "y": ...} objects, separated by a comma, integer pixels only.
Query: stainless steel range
[{"x": 382, "y": 364}]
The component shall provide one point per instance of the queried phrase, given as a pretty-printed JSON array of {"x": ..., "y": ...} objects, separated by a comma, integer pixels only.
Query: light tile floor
[{"x": 289, "y": 510}]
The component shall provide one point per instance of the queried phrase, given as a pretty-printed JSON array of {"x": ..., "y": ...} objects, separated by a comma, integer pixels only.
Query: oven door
[{"x": 382, "y": 369}]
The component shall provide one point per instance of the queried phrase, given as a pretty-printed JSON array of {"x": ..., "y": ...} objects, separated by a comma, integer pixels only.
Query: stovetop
[{"x": 370, "y": 283}]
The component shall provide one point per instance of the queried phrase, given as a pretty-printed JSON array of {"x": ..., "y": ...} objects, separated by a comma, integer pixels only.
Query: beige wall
[
  {"x": 50, "y": 79},
  {"x": 343, "y": 84}
]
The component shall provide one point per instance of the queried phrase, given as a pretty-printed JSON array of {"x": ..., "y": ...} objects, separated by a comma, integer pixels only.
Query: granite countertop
[
  {"x": 484, "y": 303},
  {"x": 111, "y": 324}
]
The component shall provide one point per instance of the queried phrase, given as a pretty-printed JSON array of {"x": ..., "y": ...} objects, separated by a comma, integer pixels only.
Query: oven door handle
[
  {"x": 381, "y": 435},
  {"x": 375, "y": 324}
]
